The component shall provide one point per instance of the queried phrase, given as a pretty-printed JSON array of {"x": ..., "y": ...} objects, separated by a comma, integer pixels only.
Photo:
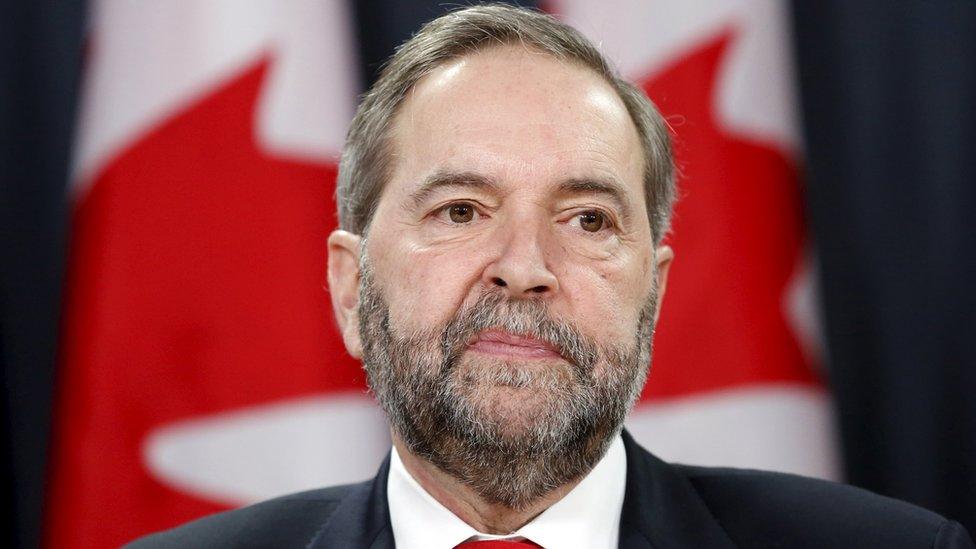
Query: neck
[{"x": 466, "y": 504}]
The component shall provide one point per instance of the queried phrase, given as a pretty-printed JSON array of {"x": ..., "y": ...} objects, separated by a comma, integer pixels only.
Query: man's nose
[{"x": 521, "y": 264}]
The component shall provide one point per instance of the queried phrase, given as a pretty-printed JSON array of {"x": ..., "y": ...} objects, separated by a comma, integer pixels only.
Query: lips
[{"x": 498, "y": 342}]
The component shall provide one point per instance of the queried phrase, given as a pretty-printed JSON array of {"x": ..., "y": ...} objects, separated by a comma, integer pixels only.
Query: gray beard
[{"x": 511, "y": 433}]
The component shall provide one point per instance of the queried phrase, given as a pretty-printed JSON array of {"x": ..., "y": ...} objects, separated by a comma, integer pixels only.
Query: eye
[
  {"x": 458, "y": 213},
  {"x": 461, "y": 213},
  {"x": 592, "y": 221}
]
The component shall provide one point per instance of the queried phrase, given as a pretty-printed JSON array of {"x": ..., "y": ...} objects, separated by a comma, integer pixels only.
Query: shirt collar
[{"x": 588, "y": 516}]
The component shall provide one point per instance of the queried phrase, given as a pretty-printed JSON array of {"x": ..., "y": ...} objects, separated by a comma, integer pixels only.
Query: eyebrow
[
  {"x": 611, "y": 189},
  {"x": 451, "y": 179},
  {"x": 447, "y": 179}
]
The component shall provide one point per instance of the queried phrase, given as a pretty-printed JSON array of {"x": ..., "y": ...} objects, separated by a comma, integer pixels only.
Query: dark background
[{"x": 887, "y": 91}]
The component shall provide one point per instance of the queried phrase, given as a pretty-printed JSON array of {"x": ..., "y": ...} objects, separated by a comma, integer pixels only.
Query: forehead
[{"x": 518, "y": 116}]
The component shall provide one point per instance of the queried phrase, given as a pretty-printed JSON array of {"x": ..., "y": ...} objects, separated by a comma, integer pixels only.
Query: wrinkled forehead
[{"x": 515, "y": 114}]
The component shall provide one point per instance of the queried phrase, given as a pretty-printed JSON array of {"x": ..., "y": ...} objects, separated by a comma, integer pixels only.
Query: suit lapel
[
  {"x": 661, "y": 507},
  {"x": 362, "y": 519},
  {"x": 661, "y": 510}
]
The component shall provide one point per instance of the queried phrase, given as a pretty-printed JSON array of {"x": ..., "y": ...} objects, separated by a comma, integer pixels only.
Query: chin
[
  {"x": 515, "y": 412},
  {"x": 514, "y": 402}
]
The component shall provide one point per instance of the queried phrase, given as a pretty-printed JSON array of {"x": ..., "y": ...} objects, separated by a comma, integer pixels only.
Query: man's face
[{"x": 511, "y": 266}]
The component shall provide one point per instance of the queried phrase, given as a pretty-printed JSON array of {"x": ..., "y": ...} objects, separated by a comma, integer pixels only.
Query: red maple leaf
[
  {"x": 738, "y": 233},
  {"x": 197, "y": 275}
]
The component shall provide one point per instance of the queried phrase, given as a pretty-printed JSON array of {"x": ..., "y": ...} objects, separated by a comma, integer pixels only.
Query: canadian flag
[
  {"x": 734, "y": 379},
  {"x": 201, "y": 369}
]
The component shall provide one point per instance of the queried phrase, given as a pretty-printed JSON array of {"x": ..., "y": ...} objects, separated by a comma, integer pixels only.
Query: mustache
[{"x": 524, "y": 318}]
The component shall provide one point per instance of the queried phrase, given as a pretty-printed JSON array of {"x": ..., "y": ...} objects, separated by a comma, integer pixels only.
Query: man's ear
[
  {"x": 663, "y": 256},
  {"x": 344, "y": 287}
]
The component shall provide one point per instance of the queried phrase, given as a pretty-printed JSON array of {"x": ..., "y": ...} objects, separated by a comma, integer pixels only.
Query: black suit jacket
[{"x": 665, "y": 506}]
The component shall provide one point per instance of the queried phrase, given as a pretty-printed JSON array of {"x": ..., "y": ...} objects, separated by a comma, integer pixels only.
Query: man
[{"x": 503, "y": 197}]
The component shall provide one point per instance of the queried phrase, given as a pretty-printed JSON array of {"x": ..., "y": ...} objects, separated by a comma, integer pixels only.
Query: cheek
[
  {"x": 606, "y": 298},
  {"x": 426, "y": 288}
]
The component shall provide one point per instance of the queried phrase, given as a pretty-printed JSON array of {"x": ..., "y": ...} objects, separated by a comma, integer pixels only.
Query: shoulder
[
  {"x": 782, "y": 510},
  {"x": 296, "y": 517}
]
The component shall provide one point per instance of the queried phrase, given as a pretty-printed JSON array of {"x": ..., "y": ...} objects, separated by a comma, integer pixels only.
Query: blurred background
[{"x": 167, "y": 342}]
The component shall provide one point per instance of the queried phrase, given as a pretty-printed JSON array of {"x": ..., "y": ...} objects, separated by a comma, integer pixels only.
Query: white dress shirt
[{"x": 587, "y": 517}]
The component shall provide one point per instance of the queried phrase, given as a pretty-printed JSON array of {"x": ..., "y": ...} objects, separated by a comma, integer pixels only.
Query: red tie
[{"x": 497, "y": 544}]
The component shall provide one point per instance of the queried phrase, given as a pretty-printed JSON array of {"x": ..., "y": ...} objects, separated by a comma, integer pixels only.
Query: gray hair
[{"x": 366, "y": 160}]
